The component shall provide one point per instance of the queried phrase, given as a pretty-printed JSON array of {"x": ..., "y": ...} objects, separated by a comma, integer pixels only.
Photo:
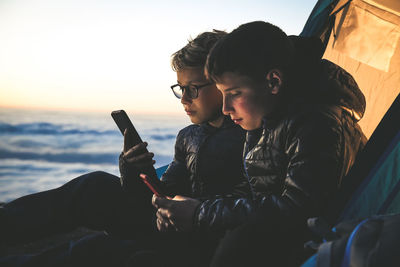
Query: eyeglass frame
[{"x": 184, "y": 89}]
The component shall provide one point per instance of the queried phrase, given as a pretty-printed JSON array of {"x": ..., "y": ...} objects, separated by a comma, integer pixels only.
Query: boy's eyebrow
[
  {"x": 232, "y": 88},
  {"x": 190, "y": 82}
]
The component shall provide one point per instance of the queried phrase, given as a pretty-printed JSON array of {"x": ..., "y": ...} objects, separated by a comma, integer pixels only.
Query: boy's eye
[{"x": 236, "y": 93}]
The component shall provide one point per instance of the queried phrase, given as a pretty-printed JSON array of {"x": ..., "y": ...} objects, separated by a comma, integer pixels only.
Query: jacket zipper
[{"x": 253, "y": 194}]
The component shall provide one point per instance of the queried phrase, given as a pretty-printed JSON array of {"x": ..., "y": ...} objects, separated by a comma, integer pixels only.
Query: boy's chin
[
  {"x": 251, "y": 127},
  {"x": 195, "y": 120}
]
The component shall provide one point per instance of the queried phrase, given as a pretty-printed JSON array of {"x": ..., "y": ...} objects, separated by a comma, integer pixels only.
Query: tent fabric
[
  {"x": 362, "y": 36},
  {"x": 373, "y": 183},
  {"x": 388, "y": 5},
  {"x": 364, "y": 40},
  {"x": 379, "y": 170},
  {"x": 161, "y": 170},
  {"x": 379, "y": 192},
  {"x": 318, "y": 23},
  {"x": 374, "y": 43}
]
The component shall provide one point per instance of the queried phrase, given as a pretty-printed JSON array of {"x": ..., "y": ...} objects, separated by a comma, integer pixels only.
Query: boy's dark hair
[
  {"x": 252, "y": 49},
  {"x": 194, "y": 54}
]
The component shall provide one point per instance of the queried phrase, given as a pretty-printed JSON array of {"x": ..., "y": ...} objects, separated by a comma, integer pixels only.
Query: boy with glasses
[{"x": 207, "y": 162}]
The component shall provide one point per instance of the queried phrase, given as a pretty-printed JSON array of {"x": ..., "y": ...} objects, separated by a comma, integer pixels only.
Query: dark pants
[
  {"x": 94, "y": 250},
  {"x": 96, "y": 201},
  {"x": 265, "y": 240},
  {"x": 102, "y": 250}
]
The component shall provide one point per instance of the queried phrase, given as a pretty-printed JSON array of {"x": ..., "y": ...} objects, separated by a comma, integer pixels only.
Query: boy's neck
[{"x": 217, "y": 123}]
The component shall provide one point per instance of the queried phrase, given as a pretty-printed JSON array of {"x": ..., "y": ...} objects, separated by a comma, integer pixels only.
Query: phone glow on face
[{"x": 244, "y": 100}]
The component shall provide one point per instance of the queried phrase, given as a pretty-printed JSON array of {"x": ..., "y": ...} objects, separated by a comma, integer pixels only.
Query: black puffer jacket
[
  {"x": 207, "y": 162},
  {"x": 298, "y": 160}
]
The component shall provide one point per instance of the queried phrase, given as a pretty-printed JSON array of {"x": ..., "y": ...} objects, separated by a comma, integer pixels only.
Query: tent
[
  {"x": 373, "y": 184},
  {"x": 362, "y": 36}
]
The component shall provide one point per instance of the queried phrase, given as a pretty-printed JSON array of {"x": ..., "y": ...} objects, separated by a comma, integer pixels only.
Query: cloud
[
  {"x": 45, "y": 128},
  {"x": 160, "y": 137},
  {"x": 95, "y": 158}
]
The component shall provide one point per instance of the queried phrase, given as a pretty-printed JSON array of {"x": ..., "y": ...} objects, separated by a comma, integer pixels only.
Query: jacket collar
[{"x": 225, "y": 124}]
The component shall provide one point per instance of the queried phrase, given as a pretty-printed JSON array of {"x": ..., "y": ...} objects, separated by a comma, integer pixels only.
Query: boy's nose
[
  {"x": 226, "y": 106},
  {"x": 185, "y": 98}
]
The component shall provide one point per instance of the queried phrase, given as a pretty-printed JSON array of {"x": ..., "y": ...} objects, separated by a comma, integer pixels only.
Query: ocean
[{"x": 41, "y": 150}]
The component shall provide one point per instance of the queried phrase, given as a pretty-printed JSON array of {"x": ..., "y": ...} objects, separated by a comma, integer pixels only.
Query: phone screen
[{"x": 123, "y": 122}]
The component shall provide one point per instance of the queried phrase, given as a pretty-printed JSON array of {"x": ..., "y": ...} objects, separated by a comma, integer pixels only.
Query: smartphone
[
  {"x": 154, "y": 187},
  {"x": 123, "y": 122}
]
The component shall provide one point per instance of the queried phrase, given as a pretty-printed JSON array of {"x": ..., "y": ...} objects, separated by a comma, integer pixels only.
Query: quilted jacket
[
  {"x": 207, "y": 162},
  {"x": 296, "y": 162}
]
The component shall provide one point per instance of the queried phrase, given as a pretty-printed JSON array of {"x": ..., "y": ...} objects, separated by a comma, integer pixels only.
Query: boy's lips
[
  {"x": 189, "y": 112},
  {"x": 237, "y": 121}
]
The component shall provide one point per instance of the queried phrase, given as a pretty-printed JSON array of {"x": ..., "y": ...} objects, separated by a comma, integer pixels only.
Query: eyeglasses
[{"x": 192, "y": 91}]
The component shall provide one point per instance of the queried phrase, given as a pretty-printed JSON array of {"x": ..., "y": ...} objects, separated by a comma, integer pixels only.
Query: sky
[{"x": 101, "y": 55}]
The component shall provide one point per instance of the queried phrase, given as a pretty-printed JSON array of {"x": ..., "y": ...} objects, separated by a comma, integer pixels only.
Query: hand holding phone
[
  {"x": 154, "y": 187},
  {"x": 132, "y": 138}
]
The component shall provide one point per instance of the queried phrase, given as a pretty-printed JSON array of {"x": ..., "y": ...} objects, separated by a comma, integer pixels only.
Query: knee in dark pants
[
  {"x": 110, "y": 208},
  {"x": 99, "y": 179},
  {"x": 94, "y": 200},
  {"x": 94, "y": 186}
]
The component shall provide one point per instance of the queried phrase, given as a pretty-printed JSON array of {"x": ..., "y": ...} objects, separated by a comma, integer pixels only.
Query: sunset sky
[{"x": 113, "y": 54}]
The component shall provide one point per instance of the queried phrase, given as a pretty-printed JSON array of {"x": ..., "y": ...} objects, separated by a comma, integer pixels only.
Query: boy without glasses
[{"x": 301, "y": 115}]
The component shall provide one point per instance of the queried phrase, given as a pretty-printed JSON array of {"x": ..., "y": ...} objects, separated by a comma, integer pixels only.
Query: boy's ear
[{"x": 274, "y": 80}]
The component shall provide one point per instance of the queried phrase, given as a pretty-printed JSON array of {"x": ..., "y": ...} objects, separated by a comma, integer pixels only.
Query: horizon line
[{"x": 91, "y": 110}]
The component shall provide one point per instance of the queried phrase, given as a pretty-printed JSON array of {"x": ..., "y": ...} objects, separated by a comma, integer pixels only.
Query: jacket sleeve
[
  {"x": 313, "y": 147},
  {"x": 176, "y": 179}
]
